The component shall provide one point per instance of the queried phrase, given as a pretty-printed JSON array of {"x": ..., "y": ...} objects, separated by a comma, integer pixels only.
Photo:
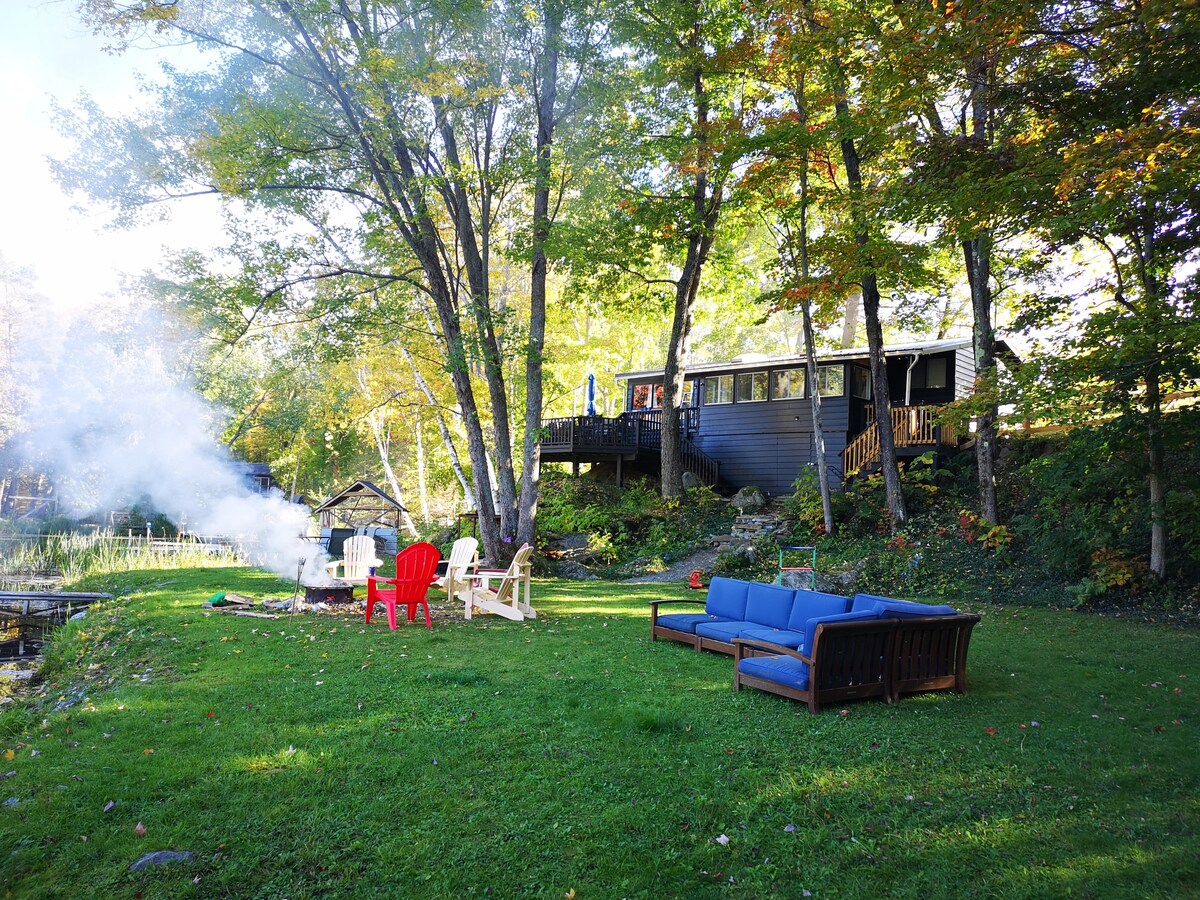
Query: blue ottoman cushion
[{"x": 786, "y": 670}]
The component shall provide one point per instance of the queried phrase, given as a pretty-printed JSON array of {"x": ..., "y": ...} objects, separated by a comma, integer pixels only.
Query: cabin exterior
[{"x": 749, "y": 421}]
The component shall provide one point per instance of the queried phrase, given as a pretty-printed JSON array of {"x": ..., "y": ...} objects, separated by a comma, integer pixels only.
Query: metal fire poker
[{"x": 296, "y": 595}]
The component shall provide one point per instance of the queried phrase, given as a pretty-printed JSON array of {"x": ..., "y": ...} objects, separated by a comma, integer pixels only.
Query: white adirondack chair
[
  {"x": 463, "y": 556},
  {"x": 359, "y": 557},
  {"x": 510, "y": 597}
]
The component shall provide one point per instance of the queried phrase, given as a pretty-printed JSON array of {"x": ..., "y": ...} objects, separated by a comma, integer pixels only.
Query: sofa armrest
[{"x": 682, "y": 600}]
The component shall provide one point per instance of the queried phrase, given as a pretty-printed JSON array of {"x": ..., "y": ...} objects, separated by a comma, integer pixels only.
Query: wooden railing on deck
[{"x": 912, "y": 426}]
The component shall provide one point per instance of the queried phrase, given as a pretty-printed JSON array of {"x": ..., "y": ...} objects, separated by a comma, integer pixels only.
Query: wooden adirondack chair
[
  {"x": 358, "y": 560},
  {"x": 464, "y": 555},
  {"x": 506, "y": 599},
  {"x": 415, "y": 568}
]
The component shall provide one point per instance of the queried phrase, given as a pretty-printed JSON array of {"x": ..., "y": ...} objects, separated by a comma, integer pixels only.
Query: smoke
[{"x": 110, "y": 417}]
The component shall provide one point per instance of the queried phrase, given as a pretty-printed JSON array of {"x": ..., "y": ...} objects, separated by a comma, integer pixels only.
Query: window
[
  {"x": 831, "y": 380},
  {"x": 935, "y": 372},
  {"x": 787, "y": 384},
  {"x": 751, "y": 387},
  {"x": 718, "y": 389},
  {"x": 646, "y": 396},
  {"x": 860, "y": 382},
  {"x": 691, "y": 394}
]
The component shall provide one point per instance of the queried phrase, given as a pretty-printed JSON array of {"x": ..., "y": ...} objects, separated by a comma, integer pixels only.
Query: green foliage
[{"x": 631, "y": 524}]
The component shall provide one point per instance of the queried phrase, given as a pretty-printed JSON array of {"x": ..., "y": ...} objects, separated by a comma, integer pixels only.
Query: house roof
[
  {"x": 755, "y": 361},
  {"x": 362, "y": 497}
]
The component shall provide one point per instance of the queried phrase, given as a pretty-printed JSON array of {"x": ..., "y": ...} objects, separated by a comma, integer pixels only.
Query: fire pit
[{"x": 334, "y": 592}]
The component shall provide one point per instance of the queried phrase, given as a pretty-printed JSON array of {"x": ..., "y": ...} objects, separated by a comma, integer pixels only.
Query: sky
[{"x": 46, "y": 54}]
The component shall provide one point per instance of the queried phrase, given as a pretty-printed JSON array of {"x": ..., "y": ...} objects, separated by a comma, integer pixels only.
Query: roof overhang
[{"x": 757, "y": 363}]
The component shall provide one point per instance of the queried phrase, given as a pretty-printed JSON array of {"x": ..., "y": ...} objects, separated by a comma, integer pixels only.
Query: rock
[
  {"x": 748, "y": 498},
  {"x": 161, "y": 857}
]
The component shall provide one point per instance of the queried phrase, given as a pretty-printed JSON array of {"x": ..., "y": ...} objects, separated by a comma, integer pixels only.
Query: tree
[
  {"x": 402, "y": 119},
  {"x": 1119, "y": 99}
]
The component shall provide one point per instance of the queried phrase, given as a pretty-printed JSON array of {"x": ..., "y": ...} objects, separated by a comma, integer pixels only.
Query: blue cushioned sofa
[{"x": 820, "y": 647}]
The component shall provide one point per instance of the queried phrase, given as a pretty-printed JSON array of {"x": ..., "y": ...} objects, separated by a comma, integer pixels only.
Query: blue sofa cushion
[
  {"x": 686, "y": 621},
  {"x": 768, "y": 604},
  {"x": 722, "y": 631},
  {"x": 810, "y": 627},
  {"x": 784, "y": 670},
  {"x": 784, "y": 638},
  {"x": 726, "y": 598},
  {"x": 810, "y": 604},
  {"x": 901, "y": 609}
]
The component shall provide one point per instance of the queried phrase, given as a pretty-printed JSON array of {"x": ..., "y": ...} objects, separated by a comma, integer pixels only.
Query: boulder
[{"x": 748, "y": 498}]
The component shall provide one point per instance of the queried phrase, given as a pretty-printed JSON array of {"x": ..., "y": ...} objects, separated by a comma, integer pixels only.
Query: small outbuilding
[{"x": 361, "y": 508}]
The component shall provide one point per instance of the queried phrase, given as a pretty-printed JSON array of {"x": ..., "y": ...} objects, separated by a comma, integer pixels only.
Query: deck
[{"x": 630, "y": 437}]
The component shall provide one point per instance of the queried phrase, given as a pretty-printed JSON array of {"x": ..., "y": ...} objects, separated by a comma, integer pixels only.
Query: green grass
[{"x": 318, "y": 756}]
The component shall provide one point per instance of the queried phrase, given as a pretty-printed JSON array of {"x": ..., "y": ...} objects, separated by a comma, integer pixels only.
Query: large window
[
  {"x": 831, "y": 380},
  {"x": 718, "y": 389},
  {"x": 787, "y": 384},
  {"x": 647, "y": 396},
  {"x": 750, "y": 387}
]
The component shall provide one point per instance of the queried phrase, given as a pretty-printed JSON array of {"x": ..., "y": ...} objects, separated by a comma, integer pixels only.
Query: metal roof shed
[{"x": 360, "y": 505}]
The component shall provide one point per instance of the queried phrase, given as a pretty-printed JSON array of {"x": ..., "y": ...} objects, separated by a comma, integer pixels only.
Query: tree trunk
[
  {"x": 850, "y": 324},
  {"x": 706, "y": 208},
  {"x": 870, "y": 293},
  {"x": 977, "y": 254},
  {"x": 810, "y": 340},
  {"x": 1156, "y": 457},
  {"x": 547, "y": 97}
]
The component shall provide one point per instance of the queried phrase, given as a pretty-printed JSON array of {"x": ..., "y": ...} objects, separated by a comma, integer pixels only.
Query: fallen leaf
[
  {"x": 990, "y": 730},
  {"x": 789, "y": 828},
  {"x": 139, "y": 829},
  {"x": 210, "y": 714},
  {"x": 9, "y": 755},
  {"x": 109, "y": 805},
  {"x": 722, "y": 839},
  {"x": 1158, "y": 729},
  {"x": 149, "y": 751}
]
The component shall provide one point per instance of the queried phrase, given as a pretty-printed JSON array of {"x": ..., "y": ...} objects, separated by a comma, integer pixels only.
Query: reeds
[{"x": 73, "y": 556}]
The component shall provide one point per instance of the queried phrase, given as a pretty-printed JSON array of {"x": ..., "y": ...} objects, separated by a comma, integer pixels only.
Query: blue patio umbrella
[{"x": 591, "y": 395}]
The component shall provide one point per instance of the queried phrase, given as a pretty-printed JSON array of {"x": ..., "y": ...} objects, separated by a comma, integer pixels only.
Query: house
[{"x": 749, "y": 421}]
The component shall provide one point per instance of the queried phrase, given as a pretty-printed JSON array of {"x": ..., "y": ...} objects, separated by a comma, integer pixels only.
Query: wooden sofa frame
[
  {"x": 849, "y": 661},
  {"x": 887, "y": 658}
]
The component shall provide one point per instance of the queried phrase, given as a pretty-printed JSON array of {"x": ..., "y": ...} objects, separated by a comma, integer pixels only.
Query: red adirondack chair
[{"x": 416, "y": 566}]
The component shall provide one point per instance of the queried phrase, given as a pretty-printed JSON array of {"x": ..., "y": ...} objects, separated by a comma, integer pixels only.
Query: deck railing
[
  {"x": 575, "y": 434},
  {"x": 626, "y": 434},
  {"x": 912, "y": 426}
]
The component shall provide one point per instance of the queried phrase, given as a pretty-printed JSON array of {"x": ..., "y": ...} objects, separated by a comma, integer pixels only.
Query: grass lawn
[{"x": 571, "y": 756}]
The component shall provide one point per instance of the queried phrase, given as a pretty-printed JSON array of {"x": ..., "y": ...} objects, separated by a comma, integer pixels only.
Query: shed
[{"x": 361, "y": 505}]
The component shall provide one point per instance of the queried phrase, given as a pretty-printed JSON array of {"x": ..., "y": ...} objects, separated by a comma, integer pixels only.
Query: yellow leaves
[{"x": 9, "y": 755}]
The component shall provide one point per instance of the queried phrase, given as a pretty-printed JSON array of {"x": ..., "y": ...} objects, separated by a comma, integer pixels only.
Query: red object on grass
[
  {"x": 694, "y": 580},
  {"x": 415, "y": 567}
]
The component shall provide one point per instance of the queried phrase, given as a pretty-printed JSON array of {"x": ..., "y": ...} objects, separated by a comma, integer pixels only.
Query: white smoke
[{"x": 110, "y": 418}]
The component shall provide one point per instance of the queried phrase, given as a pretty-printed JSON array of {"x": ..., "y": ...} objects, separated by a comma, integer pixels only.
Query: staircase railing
[{"x": 912, "y": 426}]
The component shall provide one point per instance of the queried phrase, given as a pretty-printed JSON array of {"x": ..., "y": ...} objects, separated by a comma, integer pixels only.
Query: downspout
[{"x": 908, "y": 379}]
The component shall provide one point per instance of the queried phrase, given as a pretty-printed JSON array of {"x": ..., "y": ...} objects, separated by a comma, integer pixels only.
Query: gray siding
[
  {"x": 964, "y": 372},
  {"x": 767, "y": 444}
]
